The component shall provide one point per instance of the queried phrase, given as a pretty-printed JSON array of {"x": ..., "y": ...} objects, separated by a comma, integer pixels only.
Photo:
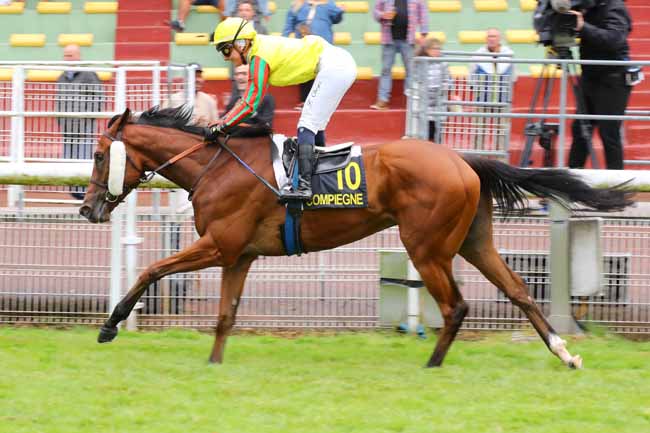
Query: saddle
[{"x": 326, "y": 159}]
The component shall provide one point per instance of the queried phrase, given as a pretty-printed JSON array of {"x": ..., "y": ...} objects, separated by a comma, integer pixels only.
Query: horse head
[{"x": 114, "y": 174}]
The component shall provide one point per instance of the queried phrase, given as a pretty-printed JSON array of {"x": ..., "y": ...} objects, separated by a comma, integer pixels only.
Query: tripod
[{"x": 546, "y": 131}]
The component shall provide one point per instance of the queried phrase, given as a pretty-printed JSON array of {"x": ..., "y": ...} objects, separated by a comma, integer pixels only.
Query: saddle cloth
[{"x": 337, "y": 182}]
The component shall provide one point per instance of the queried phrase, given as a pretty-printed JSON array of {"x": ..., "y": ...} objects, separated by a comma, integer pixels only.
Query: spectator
[
  {"x": 266, "y": 110},
  {"x": 205, "y": 109},
  {"x": 78, "y": 91},
  {"x": 260, "y": 7},
  {"x": 184, "y": 8},
  {"x": 398, "y": 19},
  {"x": 439, "y": 84},
  {"x": 492, "y": 83},
  {"x": 248, "y": 10},
  {"x": 314, "y": 17},
  {"x": 604, "y": 89},
  {"x": 491, "y": 76}
]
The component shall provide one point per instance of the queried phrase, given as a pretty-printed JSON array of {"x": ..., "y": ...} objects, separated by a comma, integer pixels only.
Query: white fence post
[
  {"x": 131, "y": 241},
  {"x": 561, "y": 318},
  {"x": 17, "y": 152},
  {"x": 116, "y": 258},
  {"x": 413, "y": 298},
  {"x": 561, "y": 140},
  {"x": 120, "y": 90}
]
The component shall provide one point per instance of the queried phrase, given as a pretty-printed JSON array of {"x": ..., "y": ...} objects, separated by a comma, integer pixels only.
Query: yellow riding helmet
[{"x": 231, "y": 29}]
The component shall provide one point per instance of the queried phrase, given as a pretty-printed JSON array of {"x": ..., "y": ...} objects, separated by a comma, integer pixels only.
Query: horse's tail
[{"x": 508, "y": 186}]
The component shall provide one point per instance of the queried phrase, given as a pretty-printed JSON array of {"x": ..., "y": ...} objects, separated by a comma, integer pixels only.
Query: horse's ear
[{"x": 121, "y": 122}]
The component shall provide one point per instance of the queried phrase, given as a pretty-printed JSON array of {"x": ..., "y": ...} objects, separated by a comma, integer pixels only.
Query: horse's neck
[{"x": 157, "y": 149}]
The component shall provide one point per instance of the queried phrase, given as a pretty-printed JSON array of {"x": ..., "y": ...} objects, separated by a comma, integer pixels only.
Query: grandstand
[{"x": 136, "y": 30}]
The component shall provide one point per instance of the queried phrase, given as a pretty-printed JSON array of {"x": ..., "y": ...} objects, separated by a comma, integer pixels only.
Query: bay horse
[{"x": 442, "y": 203}]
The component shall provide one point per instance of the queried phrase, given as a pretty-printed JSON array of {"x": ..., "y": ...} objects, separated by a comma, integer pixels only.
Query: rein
[
  {"x": 247, "y": 167},
  {"x": 145, "y": 178}
]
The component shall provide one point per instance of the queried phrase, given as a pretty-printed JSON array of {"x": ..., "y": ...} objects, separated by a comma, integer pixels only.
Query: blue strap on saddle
[{"x": 291, "y": 228}]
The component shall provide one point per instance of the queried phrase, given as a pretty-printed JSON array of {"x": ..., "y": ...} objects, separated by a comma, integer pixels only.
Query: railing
[
  {"x": 50, "y": 121},
  {"x": 474, "y": 116},
  {"x": 57, "y": 268}
]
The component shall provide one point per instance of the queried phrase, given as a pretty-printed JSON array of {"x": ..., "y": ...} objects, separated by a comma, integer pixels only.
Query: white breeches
[{"x": 337, "y": 71}]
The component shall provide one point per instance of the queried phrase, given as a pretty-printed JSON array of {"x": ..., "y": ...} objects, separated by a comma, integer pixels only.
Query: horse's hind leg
[
  {"x": 479, "y": 250},
  {"x": 232, "y": 285},
  {"x": 440, "y": 283}
]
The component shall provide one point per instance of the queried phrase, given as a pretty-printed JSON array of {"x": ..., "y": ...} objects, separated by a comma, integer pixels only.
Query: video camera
[{"x": 554, "y": 24}]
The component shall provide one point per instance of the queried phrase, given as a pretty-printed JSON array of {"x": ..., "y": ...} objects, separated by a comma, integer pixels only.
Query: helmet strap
[
  {"x": 241, "y": 26},
  {"x": 241, "y": 55}
]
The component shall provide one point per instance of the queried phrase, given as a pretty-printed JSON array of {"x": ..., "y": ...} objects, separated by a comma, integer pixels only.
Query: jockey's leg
[
  {"x": 336, "y": 73},
  {"x": 306, "y": 139}
]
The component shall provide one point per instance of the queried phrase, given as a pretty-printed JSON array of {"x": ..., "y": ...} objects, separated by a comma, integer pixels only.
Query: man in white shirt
[
  {"x": 492, "y": 83},
  {"x": 205, "y": 107}
]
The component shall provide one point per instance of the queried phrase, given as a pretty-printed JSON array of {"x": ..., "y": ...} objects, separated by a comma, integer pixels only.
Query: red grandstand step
[
  {"x": 143, "y": 18},
  {"x": 639, "y": 47},
  {"x": 361, "y": 126},
  {"x": 143, "y": 34},
  {"x": 639, "y": 12},
  {"x": 145, "y": 5},
  {"x": 639, "y": 100},
  {"x": 142, "y": 51},
  {"x": 641, "y": 30},
  {"x": 360, "y": 96}
]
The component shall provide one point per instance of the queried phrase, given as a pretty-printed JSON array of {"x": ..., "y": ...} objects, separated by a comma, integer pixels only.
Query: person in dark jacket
[
  {"x": 603, "y": 32},
  {"x": 266, "y": 110},
  {"x": 81, "y": 92}
]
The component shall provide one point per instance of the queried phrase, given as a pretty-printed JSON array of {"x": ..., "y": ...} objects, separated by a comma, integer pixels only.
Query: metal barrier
[
  {"x": 436, "y": 91},
  {"x": 50, "y": 121},
  {"x": 474, "y": 112},
  {"x": 56, "y": 269}
]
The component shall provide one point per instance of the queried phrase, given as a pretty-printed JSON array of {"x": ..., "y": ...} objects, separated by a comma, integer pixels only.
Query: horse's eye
[{"x": 99, "y": 157}]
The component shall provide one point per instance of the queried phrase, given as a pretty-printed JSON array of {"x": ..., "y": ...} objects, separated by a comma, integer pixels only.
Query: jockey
[{"x": 284, "y": 61}]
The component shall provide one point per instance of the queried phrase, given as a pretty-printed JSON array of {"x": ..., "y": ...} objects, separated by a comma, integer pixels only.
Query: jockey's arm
[{"x": 252, "y": 98}]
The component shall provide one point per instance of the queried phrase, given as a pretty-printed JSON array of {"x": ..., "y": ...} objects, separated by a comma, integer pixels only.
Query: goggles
[{"x": 225, "y": 49}]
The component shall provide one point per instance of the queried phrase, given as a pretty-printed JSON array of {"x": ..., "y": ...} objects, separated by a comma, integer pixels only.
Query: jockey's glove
[{"x": 215, "y": 131}]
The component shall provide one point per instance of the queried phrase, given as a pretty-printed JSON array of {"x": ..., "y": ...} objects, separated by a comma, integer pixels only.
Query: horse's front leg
[
  {"x": 232, "y": 285},
  {"x": 201, "y": 254}
]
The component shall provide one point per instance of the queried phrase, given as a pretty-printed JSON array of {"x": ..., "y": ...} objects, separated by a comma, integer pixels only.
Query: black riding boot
[{"x": 305, "y": 168}]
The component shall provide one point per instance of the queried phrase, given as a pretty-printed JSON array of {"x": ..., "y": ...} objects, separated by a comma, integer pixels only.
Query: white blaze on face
[{"x": 117, "y": 168}]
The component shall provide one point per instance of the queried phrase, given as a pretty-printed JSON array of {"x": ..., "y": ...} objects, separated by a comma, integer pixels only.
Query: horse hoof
[
  {"x": 107, "y": 334},
  {"x": 576, "y": 362}
]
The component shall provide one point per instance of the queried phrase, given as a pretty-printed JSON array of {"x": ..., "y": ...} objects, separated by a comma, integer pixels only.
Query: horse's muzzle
[
  {"x": 85, "y": 211},
  {"x": 92, "y": 216}
]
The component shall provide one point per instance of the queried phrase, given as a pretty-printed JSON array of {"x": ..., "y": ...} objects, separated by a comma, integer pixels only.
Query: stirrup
[{"x": 302, "y": 195}]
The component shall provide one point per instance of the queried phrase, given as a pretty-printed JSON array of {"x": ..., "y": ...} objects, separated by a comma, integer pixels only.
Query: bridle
[
  {"x": 147, "y": 177},
  {"x": 143, "y": 179}
]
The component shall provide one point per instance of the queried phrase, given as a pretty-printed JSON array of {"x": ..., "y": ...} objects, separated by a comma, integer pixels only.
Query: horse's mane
[{"x": 179, "y": 118}]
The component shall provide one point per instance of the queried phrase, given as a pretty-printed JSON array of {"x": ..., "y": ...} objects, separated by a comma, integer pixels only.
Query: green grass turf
[{"x": 62, "y": 381}]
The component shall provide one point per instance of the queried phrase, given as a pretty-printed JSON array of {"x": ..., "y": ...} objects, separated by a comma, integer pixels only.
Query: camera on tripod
[{"x": 555, "y": 25}]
